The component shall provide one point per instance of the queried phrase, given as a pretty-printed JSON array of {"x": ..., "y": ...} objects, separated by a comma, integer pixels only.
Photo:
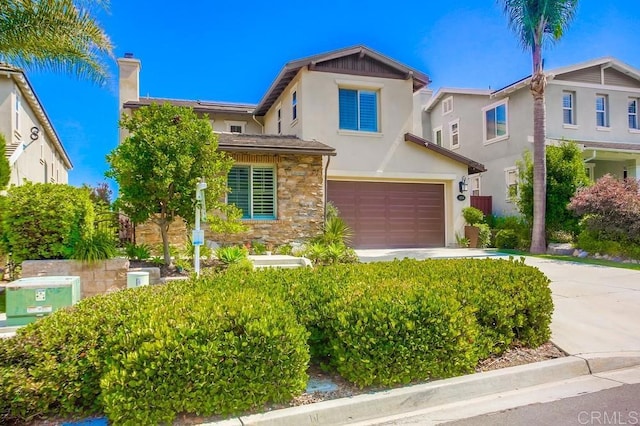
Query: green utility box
[{"x": 31, "y": 298}]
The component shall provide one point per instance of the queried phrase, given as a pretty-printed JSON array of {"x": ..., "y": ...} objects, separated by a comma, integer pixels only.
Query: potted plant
[{"x": 472, "y": 216}]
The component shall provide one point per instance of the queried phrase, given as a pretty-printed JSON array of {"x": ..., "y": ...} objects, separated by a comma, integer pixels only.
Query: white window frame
[
  {"x": 447, "y": 105},
  {"x": 508, "y": 171},
  {"x": 229, "y": 123},
  {"x": 279, "y": 119},
  {"x": 495, "y": 105},
  {"x": 571, "y": 109},
  {"x": 474, "y": 185},
  {"x": 294, "y": 105},
  {"x": 630, "y": 114},
  {"x": 251, "y": 167},
  {"x": 589, "y": 168},
  {"x": 18, "y": 107},
  {"x": 604, "y": 111},
  {"x": 455, "y": 123},
  {"x": 435, "y": 137}
]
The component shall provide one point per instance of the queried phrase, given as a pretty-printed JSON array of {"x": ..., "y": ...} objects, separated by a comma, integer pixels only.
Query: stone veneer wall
[
  {"x": 95, "y": 278},
  {"x": 300, "y": 201},
  {"x": 300, "y": 207}
]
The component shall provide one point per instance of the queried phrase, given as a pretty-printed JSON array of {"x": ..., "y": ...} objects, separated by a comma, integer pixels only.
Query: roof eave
[
  {"x": 276, "y": 150},
  {"x": 472, "y": 166}
]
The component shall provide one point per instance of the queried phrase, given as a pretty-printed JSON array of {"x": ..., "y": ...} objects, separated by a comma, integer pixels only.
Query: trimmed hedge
[{"x": 237, "y": 340}]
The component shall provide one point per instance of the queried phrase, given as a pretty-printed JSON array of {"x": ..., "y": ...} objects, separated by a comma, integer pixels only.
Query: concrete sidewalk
[{"x": 595, "y": 321}]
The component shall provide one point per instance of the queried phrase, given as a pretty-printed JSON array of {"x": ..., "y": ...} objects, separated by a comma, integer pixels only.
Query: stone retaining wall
[{"x": 95, "y": 278}]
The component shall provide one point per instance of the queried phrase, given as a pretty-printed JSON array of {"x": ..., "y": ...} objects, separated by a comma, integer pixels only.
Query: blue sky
[{"x": 228, "y": 51}]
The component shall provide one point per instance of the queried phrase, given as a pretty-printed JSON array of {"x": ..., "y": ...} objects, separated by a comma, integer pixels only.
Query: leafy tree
[
  {"x": 611, "y": 208},
  {"x": 55, "y": 35},
  {"x": 5, "y": 168},
  {"x": 565, "y": 175},
  {"x": 535, "y": 23},
  {"x": 158, "y": 165}
]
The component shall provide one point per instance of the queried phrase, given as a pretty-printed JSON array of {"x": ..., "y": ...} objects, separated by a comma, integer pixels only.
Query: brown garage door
[{"x": 391, "y": 215}]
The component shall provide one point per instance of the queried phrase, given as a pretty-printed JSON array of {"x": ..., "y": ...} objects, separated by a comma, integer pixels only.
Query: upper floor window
[
  {"x": 447, "y": 105},
  {"x": 437, "y": 136},
  {"x": 294, "y": 105},
  {"x": 253, "y": 190},
  {"x": 474, "y": 185},
  {"x": 235, "y": 126},
  {"x": 568, "y": 108},
  {"x": 495, "y": 122},
  {"x": 511, "y": 178},
  {"x": 17, "y": 106},
  {"x": 602, "y": 111},
  {"x": 454, "y": 134},
  {"x": 358, "y": 110},
  {"x": 279, "y": 116},
  {"x": 633, "y": 113}
]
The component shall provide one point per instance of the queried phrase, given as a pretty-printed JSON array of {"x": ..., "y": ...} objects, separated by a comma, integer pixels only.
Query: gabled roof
[
  {"x": 273, "y": 144},
  {"x": 290, "y": 70},
  {"x": 21, "y": 80},
  {"x": 605, "y": 62},
  {"x": 443, "y": 91},
  {"x": 473, "y": 166},
  {"x": 198, "y": 106}
]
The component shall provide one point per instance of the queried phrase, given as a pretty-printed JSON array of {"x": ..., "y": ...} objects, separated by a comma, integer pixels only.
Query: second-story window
[
  {"x": 437, "y": 136},
  {"x": 454, "y": 134},
  {"x": 602, "y": 113},
  {"x": 358, "y": 110},
  {"x": 279, "y": 116},
  {"x": 633, "y": 114},
  {"x": 495, "y": 122},
  {"x": 568, "y": 108},
  {"x": 17, "y": 106},
  {"x": 294, "y": 105},
  {"x": 447, "y": 105}
]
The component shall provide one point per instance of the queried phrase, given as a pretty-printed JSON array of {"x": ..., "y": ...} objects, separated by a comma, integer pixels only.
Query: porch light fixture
[{"x": 463, "y": 185}]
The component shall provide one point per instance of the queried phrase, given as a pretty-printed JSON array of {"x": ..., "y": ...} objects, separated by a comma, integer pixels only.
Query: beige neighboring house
[
  {"x": 344, "y": 126},
  {"x": 594, "y": 103},
  {"x": 34, "y": 150}
]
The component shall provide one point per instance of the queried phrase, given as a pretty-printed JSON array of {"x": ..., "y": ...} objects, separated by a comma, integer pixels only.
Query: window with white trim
[
  {"x": 511, "y": 180},
  {"x": 496, "y": 126},
  {"x": 358, "y": 110},
  {"x": 447, "y": 105},
  {"x": 279, "y": 117},
  {"x": 18, "y": 107},
  {"x": 235, "y": 126},
  {"x": 294, "y": 105},
  {"x": 474, "y": 185},
  {"x": 632, "y": 110},
  {"x": 589, "y": 169},
  {"x": 602, "y": 111},
  {"x": 568, "y": 108},
  {"x": 437, "y": 136},
  {"x": 454, "y": 134},
  {"x": 253, "y": 190}
]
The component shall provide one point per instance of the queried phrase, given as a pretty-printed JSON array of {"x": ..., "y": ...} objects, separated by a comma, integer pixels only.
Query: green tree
[
  {"x": 158, "y": 165},
  {"x": 565, "y": 175},
  {"x": 537, "y": 22},
  {"x": 59, "y": 35},
  {"x": 5, "y": 168}
]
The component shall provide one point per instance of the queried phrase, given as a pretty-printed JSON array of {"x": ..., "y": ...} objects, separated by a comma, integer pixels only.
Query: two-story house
[
  {"x": 594, "y": 103},
  {"x": 34, "y": 150},
  {"x": 345, "y": 127}
]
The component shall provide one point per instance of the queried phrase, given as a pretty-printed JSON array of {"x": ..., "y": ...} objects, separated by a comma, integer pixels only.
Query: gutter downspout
[
  {"x": 260, "y": 124},
  {"x": 326, "y": 168},
  {"x": 593, "y": 156}
]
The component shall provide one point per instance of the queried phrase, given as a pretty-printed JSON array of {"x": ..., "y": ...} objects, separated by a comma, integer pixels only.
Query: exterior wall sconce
[{"x": 463, "y": 185}]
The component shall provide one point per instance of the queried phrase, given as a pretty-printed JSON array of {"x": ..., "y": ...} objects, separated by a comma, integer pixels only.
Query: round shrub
[
  {"x": 507, "y": 239},
  {"x": 472, "y": 215}
]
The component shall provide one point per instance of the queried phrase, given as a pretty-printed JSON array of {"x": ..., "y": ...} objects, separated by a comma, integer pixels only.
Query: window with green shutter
[{"x": 253, "y": 190}]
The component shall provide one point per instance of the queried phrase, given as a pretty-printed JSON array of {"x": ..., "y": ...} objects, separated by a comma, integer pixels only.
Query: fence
[{"x": 482, "y": 202}]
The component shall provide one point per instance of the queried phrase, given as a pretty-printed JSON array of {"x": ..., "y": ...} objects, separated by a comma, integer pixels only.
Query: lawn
[{"x": 586, "y": 260}]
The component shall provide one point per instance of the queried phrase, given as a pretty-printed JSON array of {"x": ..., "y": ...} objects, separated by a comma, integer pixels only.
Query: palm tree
[
  {"x": 536, "y": 22},
  {"x": 58, "y": 35}
]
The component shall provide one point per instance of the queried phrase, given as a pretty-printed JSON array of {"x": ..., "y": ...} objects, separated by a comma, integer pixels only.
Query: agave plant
[
  {"x": 231, "y": 254},
  {"x": 336, "y": 231}
]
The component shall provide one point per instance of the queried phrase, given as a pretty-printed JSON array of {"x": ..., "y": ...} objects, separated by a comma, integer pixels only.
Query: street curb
[
  {"x": 601, "y": 362},
  {"x": 412, "y": 398}
]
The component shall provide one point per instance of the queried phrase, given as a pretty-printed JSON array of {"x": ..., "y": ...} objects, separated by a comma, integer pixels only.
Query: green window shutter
[
  {"x": 264, "y": 189},
  {"x": 238, "y": 182}
]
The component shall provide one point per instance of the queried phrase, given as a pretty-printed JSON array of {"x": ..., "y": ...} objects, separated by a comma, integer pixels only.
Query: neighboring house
[
  {"x": 345, "y": 127},
  {"x": 594, "y": 103},
  {"x": 34, "y": 149}
]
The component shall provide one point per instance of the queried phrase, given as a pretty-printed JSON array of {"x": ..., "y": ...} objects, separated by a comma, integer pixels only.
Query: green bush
[
  {"x": 137, "y": 251},
  {"x": 507, "y": 239},
  {"x": 143, "y": 355},
  {"x": 45, "y": 221},
  {"x": 231, "y": 254},
  {"x": 484, "y": 235},
  {"x": 592, "y": 242},
  {"x": 472, "y": 215},
  {"x": 98, "y": 246}
]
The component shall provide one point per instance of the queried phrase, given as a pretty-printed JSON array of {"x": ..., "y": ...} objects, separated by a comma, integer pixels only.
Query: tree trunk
[
  {"x": 164, "y": 232},
  {"x": 538, "y": 83}
]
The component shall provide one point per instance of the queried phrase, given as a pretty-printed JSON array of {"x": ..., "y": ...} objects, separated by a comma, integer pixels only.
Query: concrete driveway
[{"x": 597, "y": 308}]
